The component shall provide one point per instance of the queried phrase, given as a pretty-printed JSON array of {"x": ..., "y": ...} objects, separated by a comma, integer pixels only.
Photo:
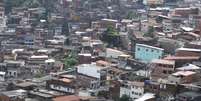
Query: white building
[
  {"x": 92, "y": 76},
  {"x": 146, "y": 97},
  {"x": 2, "y": 76},
  {"x": 14, "y": 67},
  {"x": 91, "y": 70},
  {"x": 113, "y": 53},
  {"x": 133, "y": 89},
  {"x": 62, "y": 88}
]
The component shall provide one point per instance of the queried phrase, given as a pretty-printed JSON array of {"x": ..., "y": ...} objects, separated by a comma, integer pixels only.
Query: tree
[
  {"x": 150, "y": 32},
  {"x": 124, "y": 98},
  {"x": 38, "y": 75},
  {"x": 111, "y": 36},
  {"x": 70, "y": 60},
  {"x": 103, "y": 94},
  {"x": 132, "y": 15},
  {"x": 111, "y": 31}
]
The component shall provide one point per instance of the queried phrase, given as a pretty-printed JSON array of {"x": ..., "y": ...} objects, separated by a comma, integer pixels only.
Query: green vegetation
[
  {"x": 104, "y": 94},
  {"x": 124, "y": 98},
  {"x": 150, "y": 32},
  {"x": 132, "y": 15},
  {"x": 111, "y": 37},
  {"x": 70, "y": 60},
  {"x": 39, "y": 75},
  {"x": 111, "y": 31}
]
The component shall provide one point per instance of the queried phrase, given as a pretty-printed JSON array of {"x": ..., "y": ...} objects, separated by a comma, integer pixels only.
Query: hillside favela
[{"x": 100, "y": 50}]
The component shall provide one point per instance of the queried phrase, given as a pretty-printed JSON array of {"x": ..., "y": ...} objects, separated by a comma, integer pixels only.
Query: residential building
[
  {"x": 94, "y": 78},
  {"x": 67, "y": 98},
  {"x": 147, "y": 97},
  {"x": 144, "y": 26},
  {"x": 167, "y": 26},
  {"x": 188, "y": 96},
  {"x": 15, "y": 95},
  {"x": 133, "y": 89},
  {"x": 187, "y": 52},
  {"x": 181, "y": 60},
  {"x": 147, "y": 53},
  {"x": 14, "y": 68},
  {"x": 66, "y": 84},
  {"x": 181, "y": 77},
  {"x": 2, "y": 76},
  {"x": 161, "y": 69},
  {"x": 132, "y": 85},
  {"x": 153, "y": 2},
  {"x": 84, "y": 58},
  {"x": 113, "y": 53},
  {"x": 3, "y": 18}
]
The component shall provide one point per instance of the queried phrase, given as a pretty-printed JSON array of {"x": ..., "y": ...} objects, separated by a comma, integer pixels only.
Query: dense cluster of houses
[{"x": 140, "y": 50}]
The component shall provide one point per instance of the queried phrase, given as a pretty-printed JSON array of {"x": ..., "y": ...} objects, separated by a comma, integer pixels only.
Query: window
[
  {"x": 169, "y": 72},
  {"x": 133, "y": 86},
  {"x": 15, "y": 74},
  {"x": 140, "y": 94},
  {"x": 132, "y": 92},
  {"x": 147, "y": 50},
  {"x": 152, "y": 50},
  {"x": 165, "y": 72},
  {"x": 138, "y": 49}
]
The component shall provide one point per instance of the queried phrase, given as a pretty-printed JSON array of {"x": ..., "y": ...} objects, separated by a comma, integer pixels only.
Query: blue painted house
[{"x": 147, "y": 53}]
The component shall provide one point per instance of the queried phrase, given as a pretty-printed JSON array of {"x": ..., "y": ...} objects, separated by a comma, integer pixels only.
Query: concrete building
[
  {"x": 188, "y": 96},
  {"x": 147, "y": 97},
  {"x": 144, "y": 26},
  {"x": 133, "y": 89},
  {"x": 65, "y": 84},
  {"x": 113, "y": 53},
  {"x": 91, "y": 75},
  {"x": 188, "y": 52},
  {"x": 67, "y": 98},
  {"x": 181, "y": 77},
  {"x": 2, "y": 18},
  {"x": 147, "y": 53},
  {"x": 15, "y": 95},
  {"x": 167, "y": 26},
  {"x": 84, "y": 58},
  {"x": 2, "y": 76},
  {"x": 153, "y": 2},
  {"x": 162, "y": 69}
]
